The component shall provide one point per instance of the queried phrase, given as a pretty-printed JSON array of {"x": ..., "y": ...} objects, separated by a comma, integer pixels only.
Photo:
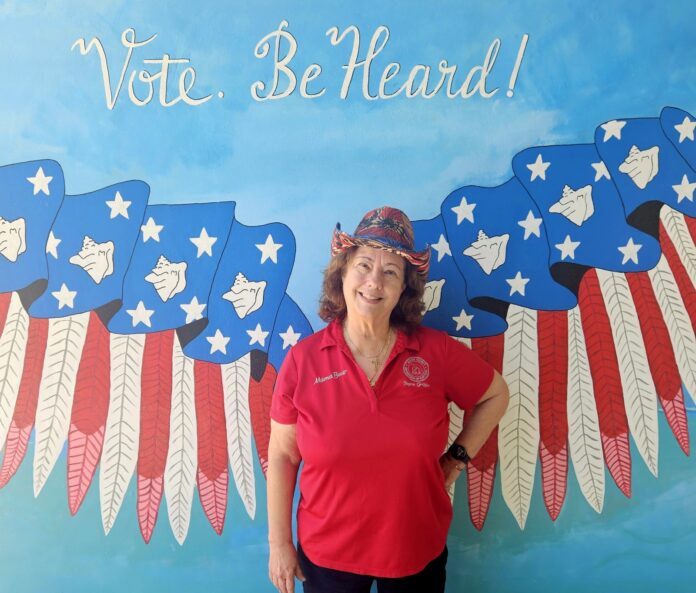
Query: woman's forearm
[
  {"x": 479, "y": 425},
  {"x": 281, "y": 480}
]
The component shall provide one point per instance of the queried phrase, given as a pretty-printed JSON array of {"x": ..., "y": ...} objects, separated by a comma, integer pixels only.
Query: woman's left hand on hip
[{"x": 451, "y": 468}]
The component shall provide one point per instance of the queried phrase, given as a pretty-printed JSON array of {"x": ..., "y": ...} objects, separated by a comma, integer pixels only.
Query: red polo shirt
[{"x": 372, "y": 495}]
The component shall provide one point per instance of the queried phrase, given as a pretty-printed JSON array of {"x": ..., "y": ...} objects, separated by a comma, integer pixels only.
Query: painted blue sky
[
  {"x": 334, "y": 158},
  {"x": 309, "y": 164}
]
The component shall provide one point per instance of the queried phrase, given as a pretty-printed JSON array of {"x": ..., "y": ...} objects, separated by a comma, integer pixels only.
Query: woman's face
[{"x": 373, "y": 281}]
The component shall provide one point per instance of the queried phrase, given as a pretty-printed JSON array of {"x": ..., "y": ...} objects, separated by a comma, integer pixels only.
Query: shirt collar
[{"x": 333, "y": 336}]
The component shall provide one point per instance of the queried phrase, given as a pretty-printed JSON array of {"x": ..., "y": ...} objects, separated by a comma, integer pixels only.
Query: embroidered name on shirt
[
  {"x": 409, "y": 384},
  {"x": 334, "y": 375}
]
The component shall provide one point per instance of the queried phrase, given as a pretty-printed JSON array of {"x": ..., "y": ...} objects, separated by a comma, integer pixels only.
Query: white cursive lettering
[{"x": 187, "y": 78}]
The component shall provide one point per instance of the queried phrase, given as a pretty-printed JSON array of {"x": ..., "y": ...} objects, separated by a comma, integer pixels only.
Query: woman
[{"x": 363, "y": 403}]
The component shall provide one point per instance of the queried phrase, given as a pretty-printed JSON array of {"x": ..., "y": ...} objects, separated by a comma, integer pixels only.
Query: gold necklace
[{"x": 375, "y": 360}]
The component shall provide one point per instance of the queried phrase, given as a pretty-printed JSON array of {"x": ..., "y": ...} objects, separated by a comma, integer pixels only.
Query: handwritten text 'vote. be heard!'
[{"x": 423, "y": 81}]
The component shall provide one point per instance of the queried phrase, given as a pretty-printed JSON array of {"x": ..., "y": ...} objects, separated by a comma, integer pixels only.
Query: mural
[
  {"x": 580, "y": 243},
  {"x": 137, "y": 333},
  {"x": 169, "y": 182}
]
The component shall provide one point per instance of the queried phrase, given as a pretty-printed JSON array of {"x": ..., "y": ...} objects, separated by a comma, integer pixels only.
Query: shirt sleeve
[
  {"x": 467, "y": 375},
  {"x": 283, "y": 408}
]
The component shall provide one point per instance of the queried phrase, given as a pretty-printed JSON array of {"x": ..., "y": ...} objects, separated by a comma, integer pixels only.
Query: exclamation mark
[{"x": 518, "y": 63}]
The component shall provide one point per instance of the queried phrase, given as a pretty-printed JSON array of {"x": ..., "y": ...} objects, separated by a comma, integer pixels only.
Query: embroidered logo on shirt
[
  {"x": 334, "y": 375},
  {"x": 416, "y": 369}
]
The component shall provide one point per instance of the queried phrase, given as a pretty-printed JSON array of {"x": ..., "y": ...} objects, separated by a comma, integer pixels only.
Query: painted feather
[
  {"x": 637, "y": 383},
  {"x": 691, "y": 225},
  {"x": 66, "y": 338},
  {"x": 583, "y": 422},
  {"x": 680, "y": 332},
  {"x": 213, "y": 474},
  {"x": 552, "y": 329},
  {"x": 235, "y": 385},
  {"x": 13, "y": 343},
  {"x": 480, "y": 476},
  {"x": 180, "y": 470},
  {"x": 456, "y": 424},
  {"x": 681, "y": 277},
  {"x": 480, "y": 471},
  {"x": 605, "y": 380},
  {"x": 120, "y": 452},
  {"x": 663, "y": 365},
  {"x": 518, "y": 433},
  {"x": 90, "y": 407},
  {"x": 5, "y": 298},
  {"x": 678, "y": 232},
  {"x": 155, "y": 412},
  {"x": 260, "y": 394},
  {"x": 27, "y": 399},
  {"x": 213, "y": 497},
  {"x": 15, "y": 449}
]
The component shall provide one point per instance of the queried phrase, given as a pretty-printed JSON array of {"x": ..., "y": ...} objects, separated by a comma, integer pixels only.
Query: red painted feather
[
  {"x": 604, "y": 367},
  {"x": 212, "y": 442},
  {"x": 5, "y": 298},
  {"x": 686, "y": 287},
  {"x": 260, "y": 394},
  {"x": 213, "y": 496},
  {"x": 663, "y": 365},
  {"x": 480, "y": 476},
  {"x": 691, "y": 223},
  {"x": 480, "y": 471},
  {"x": 90, "y": 407},
  {"x": 155, "y": 408},
  {"x": 27, "y": 397},
  {"x": 552, "y": 329},
  {"x": 15, "y": 449}
]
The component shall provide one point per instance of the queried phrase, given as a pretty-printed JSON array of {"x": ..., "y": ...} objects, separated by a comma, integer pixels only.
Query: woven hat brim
[{"x": 342, "y": 241}]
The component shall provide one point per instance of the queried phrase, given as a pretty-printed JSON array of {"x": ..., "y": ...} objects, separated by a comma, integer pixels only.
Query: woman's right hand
[{"x": 283, "y": 567}]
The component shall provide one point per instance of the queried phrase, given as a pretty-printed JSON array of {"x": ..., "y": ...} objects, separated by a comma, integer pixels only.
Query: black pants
[{"x": 326, "y": 580}]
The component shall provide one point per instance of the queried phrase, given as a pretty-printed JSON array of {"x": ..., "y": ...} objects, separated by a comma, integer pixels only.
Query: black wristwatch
[{"x": 459, "y": 453}]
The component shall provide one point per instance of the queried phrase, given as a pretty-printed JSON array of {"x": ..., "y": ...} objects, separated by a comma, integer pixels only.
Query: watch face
[{"x": 459, "y": 453}]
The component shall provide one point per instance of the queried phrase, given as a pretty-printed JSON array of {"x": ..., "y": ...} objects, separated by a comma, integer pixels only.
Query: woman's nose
[{"x": 375, "y": 276}]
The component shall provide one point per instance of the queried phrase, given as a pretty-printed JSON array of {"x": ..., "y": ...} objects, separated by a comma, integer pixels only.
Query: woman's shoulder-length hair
[{"x": 408, "y": 312}]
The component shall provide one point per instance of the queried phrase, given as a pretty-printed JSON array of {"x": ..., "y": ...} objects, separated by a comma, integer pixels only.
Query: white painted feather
[
  {"x": 66, "y": 339},
  {"x": 518, "y": 435},
  {"x": 120, "y": 453},
  {"x": 235, "y": 386},
  {"x": 456, "y": 416},
  {"x": 182, "y": 456},
  {"x": 678, "y": 232},
  {"x": 456, "y": 423},
  {"x": 640, "y": 396},
  {"x": 678, "y": 323},
  {"x": 584, "y": 438},
  {"x": 13, "y": 343}
]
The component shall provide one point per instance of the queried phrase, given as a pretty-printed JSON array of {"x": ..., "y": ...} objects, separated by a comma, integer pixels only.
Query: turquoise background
[
  {"x": 311, "y": 163},
  {"x": 644, "y": 543}
]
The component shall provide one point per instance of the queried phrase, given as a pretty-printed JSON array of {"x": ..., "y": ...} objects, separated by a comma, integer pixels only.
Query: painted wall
[{"x": 308, "y": 162}]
